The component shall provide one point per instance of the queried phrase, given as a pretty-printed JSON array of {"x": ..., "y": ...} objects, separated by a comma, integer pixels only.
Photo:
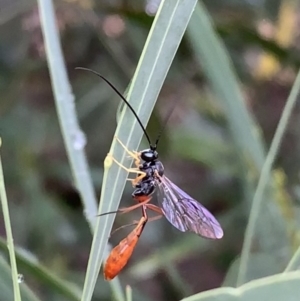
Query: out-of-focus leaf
[
  {"x": 212, "y": 55},
  {"x": 276, "y": 288},
  {"x": 294, "y": 263},
  {"x": 260, "y": 265},
  {"x": 29, "y": 264},
  {"x": 6, "y": 287},
  {"x": 211, "y": 151}
]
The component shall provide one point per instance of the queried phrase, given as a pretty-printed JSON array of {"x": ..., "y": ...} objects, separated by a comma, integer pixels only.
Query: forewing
[{"x": 185, "y": 213}]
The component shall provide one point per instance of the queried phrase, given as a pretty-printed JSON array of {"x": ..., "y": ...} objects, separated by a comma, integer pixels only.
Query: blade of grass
[
  {"x": 128, "y": 293},
  {"x": 265, "y": 176},
  {"x": 64, "y": 99},
  {"x": 276, "y": 288},
  {"x": 216, "y": 63},
  {"x": 9, "y": 235},
  {"x": 294, "y": 263},
  {"x": 74, "y": 138},
  {"x": 164, "y": 38},
  {"x": 213, "y": 57},
  {"x": 6, "y": 285},
  {"x": 29, "y": 264},
  {"x": 177, "y": 282}
]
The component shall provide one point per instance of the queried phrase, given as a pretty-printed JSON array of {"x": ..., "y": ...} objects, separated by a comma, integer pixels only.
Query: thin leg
[
  {"x": 154, "y": 218},
  {"x": 141, "y": 223},
  {"x": 154, "y": 208},
  {"x": 138, "y": 179},
  {"x": 128, "y": 209},
  {"x": 151, "y": 219},
  {"x": 133, "y": 170},
  {"x": 133, "y": 154},
  {"x": 122, "y": 227}
]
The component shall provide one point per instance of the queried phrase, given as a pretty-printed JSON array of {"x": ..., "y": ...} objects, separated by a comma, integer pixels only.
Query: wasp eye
[{"x": 149, "y": 155}]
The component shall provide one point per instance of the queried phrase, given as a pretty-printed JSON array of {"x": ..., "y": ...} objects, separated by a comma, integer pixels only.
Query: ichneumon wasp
[{"x": 180, "y": 209}]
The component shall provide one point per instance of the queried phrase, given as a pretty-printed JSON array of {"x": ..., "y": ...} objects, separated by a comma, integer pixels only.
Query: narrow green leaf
[
  {"x": 265, "y": 176},
  {"x": 260, "y": 265},
  {"x": 276, "y": 288},
  {"x": 29, "y": 264},
  {"x": 294, "y": 263},
  {"x": 74, "y": 138},
  {"x": 213, "y": 57},
  {"x": 218, "y": 67},
  {"x": 8, "y": 230},
  {"x": 164, "y": 38},
  {"x": 6, "y": 287}
]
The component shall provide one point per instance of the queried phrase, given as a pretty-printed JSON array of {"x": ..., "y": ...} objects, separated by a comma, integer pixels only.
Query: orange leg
[
  {"x": 135, "y": 155},
  {"x": 154, "y": 208},
  {"x": 128, "y": 209},
  {"x": 140, "y": 176},
  {"x": 137, "y": 161},
  {"x": 151, "y": 219},
  {"x": 133, "y": 207}
]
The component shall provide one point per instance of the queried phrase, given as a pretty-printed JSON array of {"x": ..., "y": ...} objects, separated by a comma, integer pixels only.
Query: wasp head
[{"x": 149, "y": 155}]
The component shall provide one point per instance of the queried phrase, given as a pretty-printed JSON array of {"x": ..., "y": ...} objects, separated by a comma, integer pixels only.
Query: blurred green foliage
[{"x": 197, "y": 147}]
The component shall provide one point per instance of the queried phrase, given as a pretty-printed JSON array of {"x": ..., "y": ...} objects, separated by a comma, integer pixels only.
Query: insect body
[
  {"x": 120, "y": 254},
  {"x": 180, "y": 209},
  {"x": 152, "y": 169}
]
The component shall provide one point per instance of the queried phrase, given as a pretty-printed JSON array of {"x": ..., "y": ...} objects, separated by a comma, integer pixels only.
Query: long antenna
[
  {"x": 164, "y": 126},
  {"x": 122, "y": 97}
]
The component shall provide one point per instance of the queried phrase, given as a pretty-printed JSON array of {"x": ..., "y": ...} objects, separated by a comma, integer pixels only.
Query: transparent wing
[{"x": 185, "y": 213}]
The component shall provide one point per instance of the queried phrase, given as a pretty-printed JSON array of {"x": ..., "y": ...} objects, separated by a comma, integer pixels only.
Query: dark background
[{"x": 196, "y": 147}]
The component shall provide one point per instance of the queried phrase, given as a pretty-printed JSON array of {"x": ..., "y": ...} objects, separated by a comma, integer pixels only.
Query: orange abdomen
[{"x": 120, "y": 254}]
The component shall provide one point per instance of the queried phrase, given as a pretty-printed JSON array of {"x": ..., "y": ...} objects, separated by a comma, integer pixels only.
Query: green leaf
[
  {"x": 294, "y": 263},
  {"x": 260, "y": 265},
  {"x": 164, "y": 38},
  {"x": 276, "y": 288},
  {"x": 27, "y": 263},
  {"x": 6, "y": 287},
  {"x": 9, "y": 235},
  {"x": 213, "y": 57},
  {"x": 266, "y": 219}
]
